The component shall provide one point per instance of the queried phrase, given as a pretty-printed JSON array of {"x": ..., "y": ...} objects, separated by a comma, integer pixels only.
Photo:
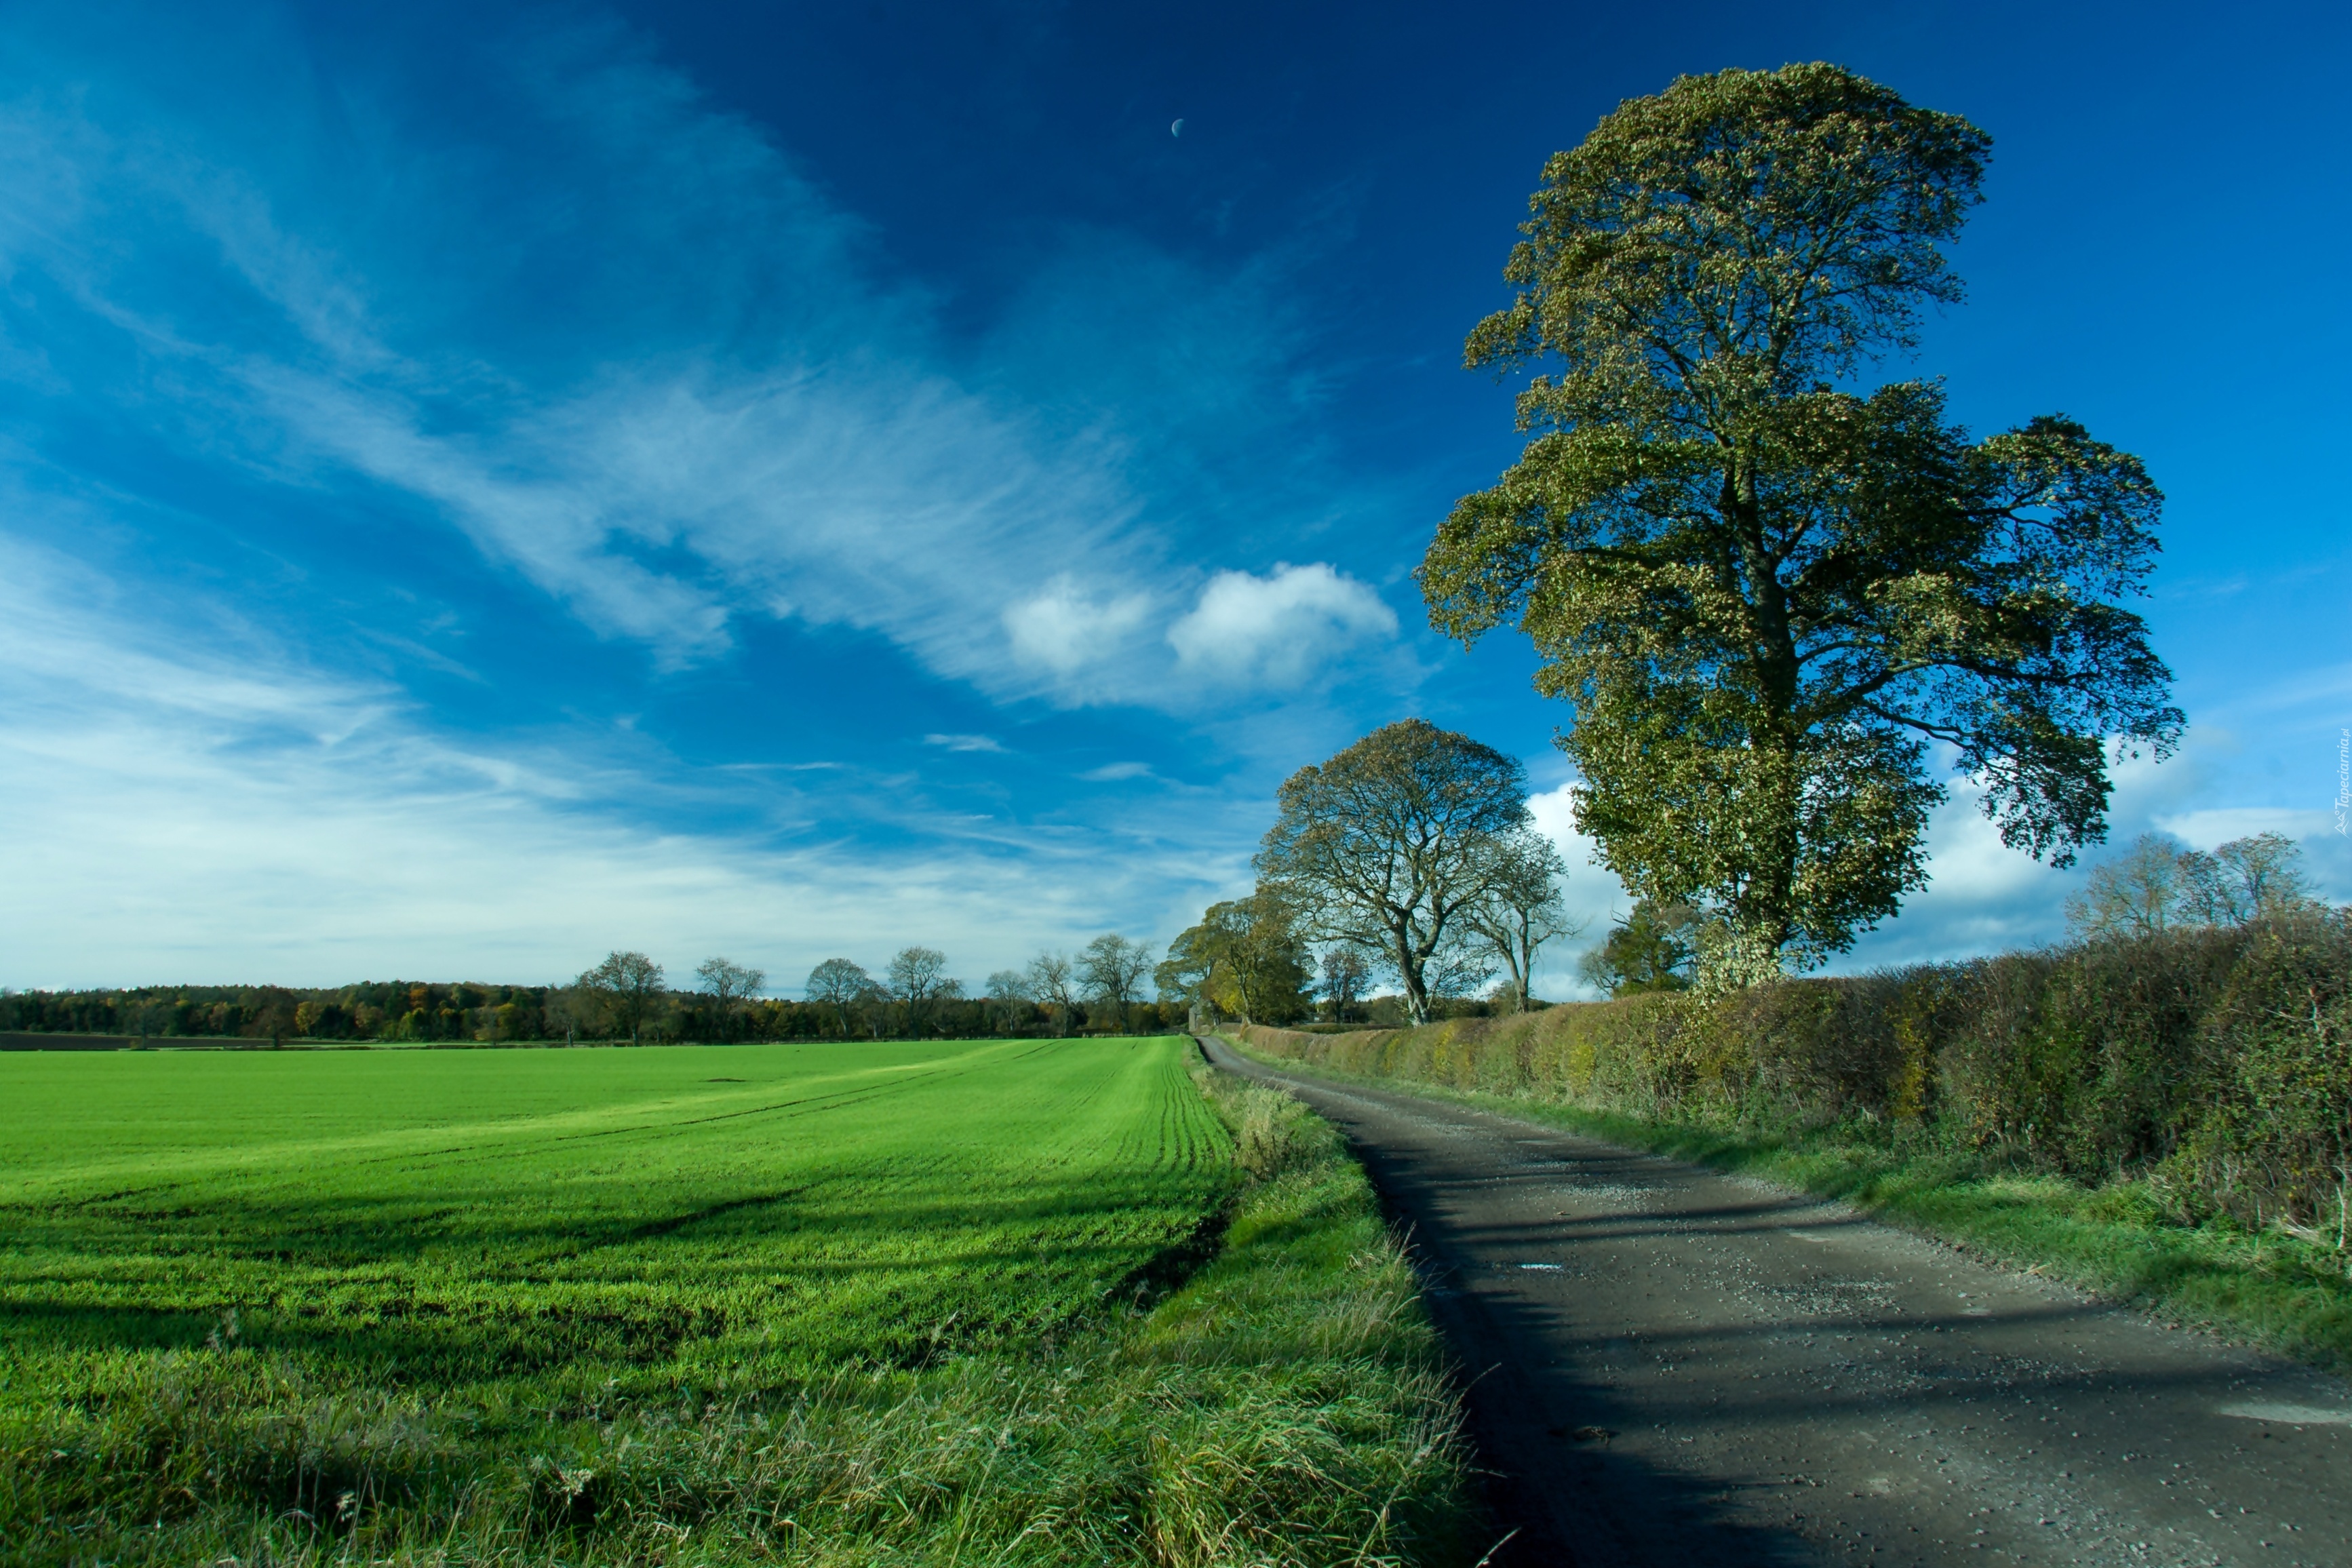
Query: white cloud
[
  {"x": 1114, "y": 773},
  {"x": 2209, "y": 827},
  {"x": 1280, "y": 628},
  {"x": 965, "y": 743},
  {"x": 1069, "y": 631},
  {"x": 1591, "y": 894}
]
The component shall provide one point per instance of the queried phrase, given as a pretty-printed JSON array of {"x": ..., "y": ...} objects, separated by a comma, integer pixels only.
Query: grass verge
[
  {"x": 2273, "y": 1288},
  {"x": 1285, "y": 1403}
]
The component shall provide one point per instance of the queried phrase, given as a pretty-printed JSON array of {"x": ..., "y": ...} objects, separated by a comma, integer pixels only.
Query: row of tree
[
  {"x": 1253, "y": 957},
  {"x": 628, "y": 996},
  {"x": 378, "y": 1010},
  {"x": 1099, "y": 987}
]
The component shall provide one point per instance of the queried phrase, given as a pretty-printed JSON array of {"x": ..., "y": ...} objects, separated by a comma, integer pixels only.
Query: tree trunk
[{"x": 1416, "y": 989}]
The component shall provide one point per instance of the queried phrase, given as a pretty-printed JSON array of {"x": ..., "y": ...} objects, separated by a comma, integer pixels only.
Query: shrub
[{"x": 2216, "y": 1062}]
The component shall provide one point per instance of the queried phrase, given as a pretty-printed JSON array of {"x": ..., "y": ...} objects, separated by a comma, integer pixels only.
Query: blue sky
[{"x": 483, "y": 485}]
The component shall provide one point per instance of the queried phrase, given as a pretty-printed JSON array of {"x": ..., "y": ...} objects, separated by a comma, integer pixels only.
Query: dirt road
[{"x": 1670, "y": 1366}]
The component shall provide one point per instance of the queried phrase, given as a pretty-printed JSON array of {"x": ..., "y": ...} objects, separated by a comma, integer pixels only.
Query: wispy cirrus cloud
[{"x": 743, "y": 423}]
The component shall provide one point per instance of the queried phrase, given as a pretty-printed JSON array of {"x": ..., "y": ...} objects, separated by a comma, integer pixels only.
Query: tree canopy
[
  {"x": 1053, "y": 983},
  {"x": 1345, "y": 976},
  {"x": 728, "y": 984},
  {"x": 628, "y": 984},
  {"x": 1652, "y": 949},
  {"x": 1386, "y": 847},
  {"x": 727, "y": 981},
  {"x": 1113, "y": 969},
  {"x": 1773, "y": 601},
  {"x": 917, "y": 979},
  {"x": 1245, "y": 957},
  {"x": 837, "y": 982}
]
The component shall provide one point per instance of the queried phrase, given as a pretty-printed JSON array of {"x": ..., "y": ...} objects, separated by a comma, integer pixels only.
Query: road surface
[{"x": 1667, "y": 1365}]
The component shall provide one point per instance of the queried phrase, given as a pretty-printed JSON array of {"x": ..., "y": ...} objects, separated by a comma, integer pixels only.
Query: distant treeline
[{"x": 425, "y": 1012}]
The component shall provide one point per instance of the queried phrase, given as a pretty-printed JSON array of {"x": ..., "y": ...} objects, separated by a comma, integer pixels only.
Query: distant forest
[
  {"x": 465, "y": 1013},
  {"x": 468, "y": 1013}
]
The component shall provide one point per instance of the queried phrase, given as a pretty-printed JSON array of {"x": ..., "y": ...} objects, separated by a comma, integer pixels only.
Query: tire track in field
[
  {"x": 514, "y": 1140},
  {"x": 517, "y": 1137},
  {"x": 501, "y": 1142}
]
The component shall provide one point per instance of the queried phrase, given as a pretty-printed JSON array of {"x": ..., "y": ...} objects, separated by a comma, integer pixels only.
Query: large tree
[
  {"x": 1771, "y": 598},
  {"x": 1386, "y": 847},
  {"x": 1009, "y": 996},
  {"x": 1345, "y": 973},
  {"x": 1054, "y": 982},
  {"x": 1652, "y": 949}
]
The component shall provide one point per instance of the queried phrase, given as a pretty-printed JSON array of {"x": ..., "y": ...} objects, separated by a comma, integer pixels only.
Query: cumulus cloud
[
  {"x": 1067, "y": 630},
  {"x": 1277, "y": 629},
  {"x": 1591, "y": 894}
]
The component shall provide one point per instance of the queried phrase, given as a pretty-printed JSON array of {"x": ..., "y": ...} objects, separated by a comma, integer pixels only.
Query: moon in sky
[{"x": 1177, "y": 128}]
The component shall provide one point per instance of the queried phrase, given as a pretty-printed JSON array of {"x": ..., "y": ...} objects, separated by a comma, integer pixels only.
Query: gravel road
[{"x": 1667, "y": 1365}]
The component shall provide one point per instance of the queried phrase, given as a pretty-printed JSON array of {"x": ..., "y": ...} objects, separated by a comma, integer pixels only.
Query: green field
[
  {"x": 826, "y": 1303},
  {"x": 469, "y": 1214}
]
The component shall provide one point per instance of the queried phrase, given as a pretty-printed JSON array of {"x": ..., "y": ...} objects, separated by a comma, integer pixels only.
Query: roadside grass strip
[
  {"x": 1000, "y": 1301},
  {"x": 2288, "y": 1292}
]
